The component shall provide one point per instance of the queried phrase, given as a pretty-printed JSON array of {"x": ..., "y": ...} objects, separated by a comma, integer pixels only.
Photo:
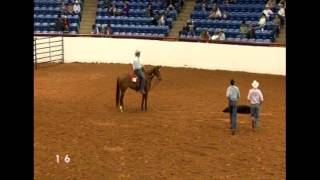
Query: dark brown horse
[{"x": 124, "y": 82}]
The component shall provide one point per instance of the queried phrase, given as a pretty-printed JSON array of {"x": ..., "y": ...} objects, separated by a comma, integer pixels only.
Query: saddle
[{"x": 134, "y": 78}]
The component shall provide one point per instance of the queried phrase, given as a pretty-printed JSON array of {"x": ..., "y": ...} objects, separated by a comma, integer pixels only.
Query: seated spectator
[
  {"x": 95, "y": 29},
  {"x": 222, "y": 35},
  {"x": 244, "y": 30},
  {"x": 262, "y": 22},
  {"x": 267, "y": 12},
  {"x": 170, "y": 7},
  {"x": 66, "y": 24},
  {"x": 230, "y": 2},
  {"x": 189, "y": 28},
  {"x": 113, "y": 10},
  {"x": 277, "y": 23},
  {"x": 225, "y": 15},
  {"x": 219, "y": 35},
  {"x": 204, "y": 7},
  {"x": 215, "y": 36},
  {"x": 77, "y": 8},
  {"x": 283, "y": 2},
  {"x": 109, "y": 30},
  {"x": 107, "y": 4},
  {"x": 70, "y": 8},
  {"x": 192, "y": 28},
  {"x": 125, "y": 10},
  {"x": 59, "y": 24},
  {"x": 215, "y": 13},
  {"x": 282, "y": 14},
  {"x": 149, "y": 10},
  {"x": 162, "y": 20},
  {"x": 251, "y": 32},
  {"x": 204, "y": 35},
  {"x": 271, "y": 4},
  {"x": 156, "y": 18}
]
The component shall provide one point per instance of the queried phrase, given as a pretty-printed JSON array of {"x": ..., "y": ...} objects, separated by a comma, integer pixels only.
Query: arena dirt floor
[{"x": 184, "y": 135}]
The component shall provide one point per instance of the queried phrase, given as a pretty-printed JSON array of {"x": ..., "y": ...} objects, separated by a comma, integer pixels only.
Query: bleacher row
[
  {"x": 139, "y": 13},
  {"x": 123, "y": 20},
  {"x": 238, "y": 1},
  {"x": 46, "y": 13},
  {"x": 233, "y": 7},
  {"x": 137, "y": 5},
  {"x": 244, "y": 40},
  {"x": 244, "y": 10},
  {"x": 248, "y": 16},
  {"x": 229, "y": 24},
  {"x": 138, "y": 22},
  {"x": 234, "y": 33}
]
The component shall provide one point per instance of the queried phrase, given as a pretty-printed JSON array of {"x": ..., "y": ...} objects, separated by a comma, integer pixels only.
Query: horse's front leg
[
  {"x": 142, "y": 102},
  {"x": 146, "y": 102}
]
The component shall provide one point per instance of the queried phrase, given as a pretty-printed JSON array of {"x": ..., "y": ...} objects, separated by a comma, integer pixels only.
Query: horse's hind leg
[
  {"x": 122, "y": 92},
  {"x": 142, "y": 102}
]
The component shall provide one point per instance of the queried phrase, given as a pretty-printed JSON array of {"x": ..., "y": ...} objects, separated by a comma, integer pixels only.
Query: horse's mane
[{"x": 152, "y": 69}]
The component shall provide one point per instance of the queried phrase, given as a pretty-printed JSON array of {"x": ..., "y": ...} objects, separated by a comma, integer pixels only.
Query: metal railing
[{"x": 48, "y": 49}]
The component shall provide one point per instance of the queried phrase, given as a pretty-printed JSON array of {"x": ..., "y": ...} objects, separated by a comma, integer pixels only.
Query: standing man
[
  {"x": 255, "y": 98},
  {"x": 233, "y": 94},
  {"x": 137, "y": 68}
]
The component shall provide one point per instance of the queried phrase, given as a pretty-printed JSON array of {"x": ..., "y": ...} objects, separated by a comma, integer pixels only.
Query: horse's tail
[{"x": 117, "y": 93}]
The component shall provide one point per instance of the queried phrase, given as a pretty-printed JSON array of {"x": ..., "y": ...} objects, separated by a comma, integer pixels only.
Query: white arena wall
[{"x": 255, "y": 59}]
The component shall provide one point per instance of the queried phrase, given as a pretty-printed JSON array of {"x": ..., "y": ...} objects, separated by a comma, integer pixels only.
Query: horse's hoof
[{"x": 121, "y": 109}]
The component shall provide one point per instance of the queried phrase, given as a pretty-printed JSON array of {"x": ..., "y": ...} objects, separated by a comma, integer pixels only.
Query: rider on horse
[{"x": 137, "y": 67}]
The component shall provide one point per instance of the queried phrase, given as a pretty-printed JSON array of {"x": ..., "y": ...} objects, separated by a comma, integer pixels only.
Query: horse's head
[{"x": 156, "y": 71}]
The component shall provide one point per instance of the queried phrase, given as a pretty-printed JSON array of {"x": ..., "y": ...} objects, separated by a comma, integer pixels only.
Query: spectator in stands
[
  {"x": 225, "y": 15},
  {"x": 222, "y": 35},
  {"x": 277, "y": 23},
  {"x": 267, "y": 12},
  {"x": 170, "y": 7},
  {"x": 181, "y": 2},
  {"x": 192, "y": 28},
  {"x": 95, "y": 29},
  {"x": 66, "y": 24},
  {"x": 204, "y": 7},
  {"x": 215, "y": 36},
  {"x": 64, "y": 9},
  {"x": 231, "y": 2},
  {"x": 70, "y": 8},
  {"x": 244, "y": 30},
  {"x": 107, "y": 7},
  {"x": 108, "y": 30},
  {"x": 204, "y": 35},
  {"x": 59, "y": 23},
  {"x": 126, "y": 9},
  {"x": 271, "y": 4},
  {"x": 77, "y": 8},
  {"x": 162, "y": 20},
  {"x": 262, "y": 22},
  {"x": 156, "y": 18},
  {"x": 215, "y": 13},
  {"x": 282, "y": 13},
  {"x": 251, "y": 32},
  {"x": 189, "y": 28},
  {"x": 219, "y": 35},
  {"x": 113, "y": 10},
  {"x": 283, "y": 2},
  {"x": 149, "y": 10}
]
